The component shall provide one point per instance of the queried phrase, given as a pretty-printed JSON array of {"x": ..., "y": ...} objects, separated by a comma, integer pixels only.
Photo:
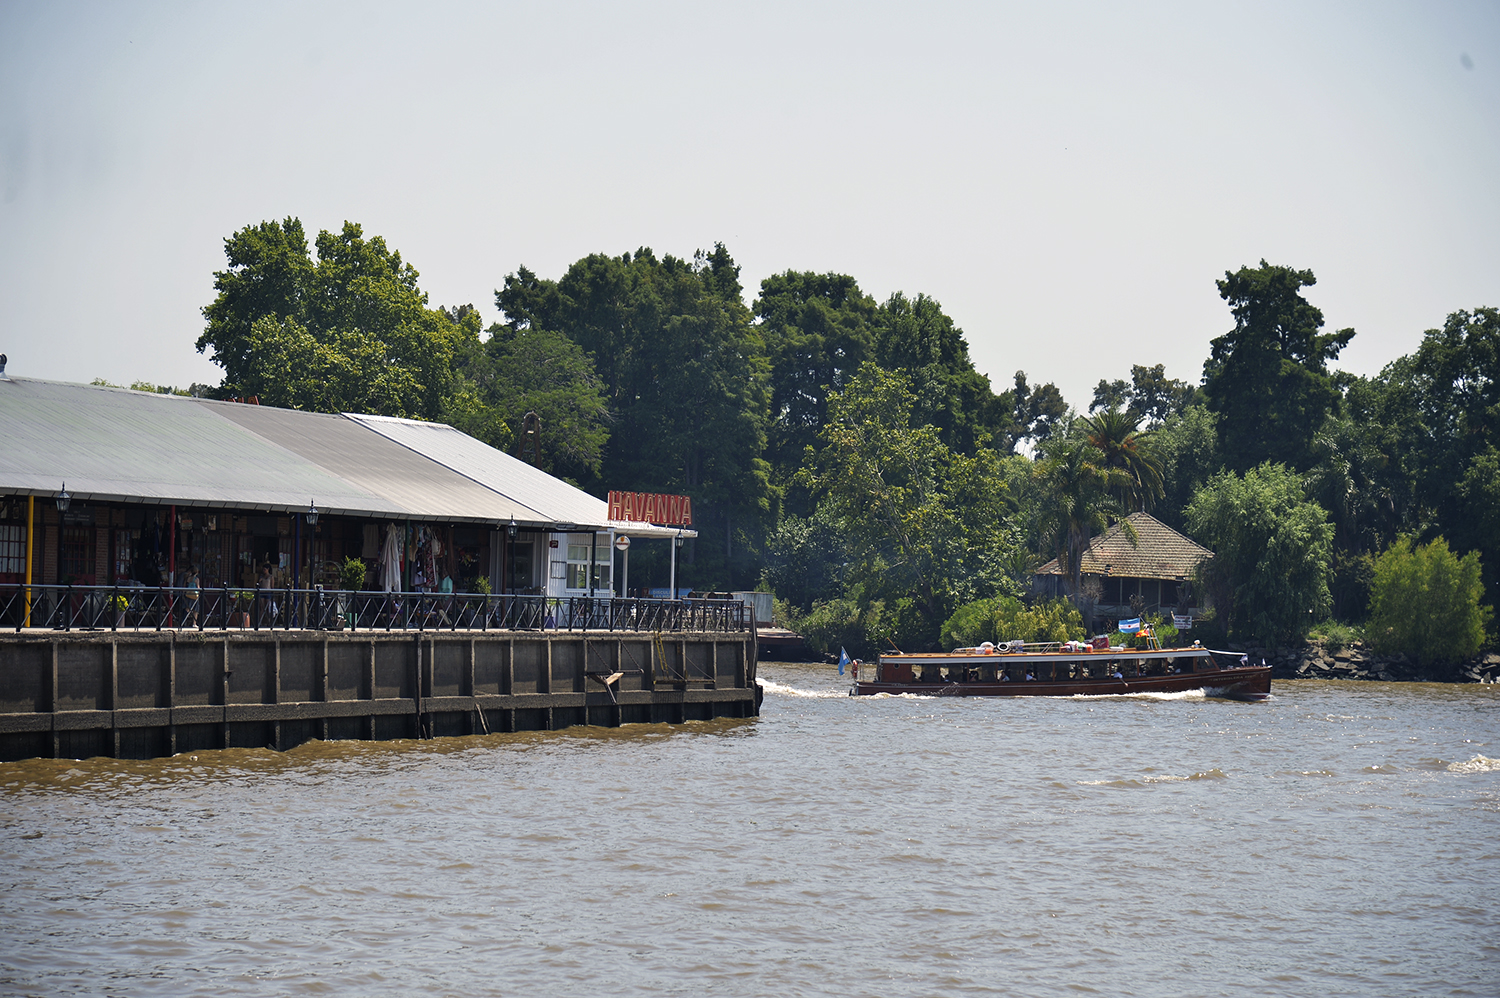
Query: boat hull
[{"x": 1249, "y": 683}]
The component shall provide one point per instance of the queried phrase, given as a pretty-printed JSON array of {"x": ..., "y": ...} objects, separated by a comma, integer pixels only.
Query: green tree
[
  {"x": 685, "y": 379},
  {"x": 1149, "y": 395},
  {"x": 1269, "y": 574},
  {"x": 805, "y": 559},
  {"x": 1187, "y": 445},
  {"x": 1121, "y": 445},
  {"x": 269, "y": 276},
  {"x": 917, "y": 338},
  {"x": 925, "y": 527},
  {"x": 349, "y": 332},
  {"x": 1078, "y": 491},
  {"x": 1453, "y": 380},
  {"x": 1425, "y": 603},
  {"x": 1267, "y": 379},
  {"x": 818, "y": 329},
  {"x": 1037, "y": 411},
  {"x": 541, "y": 371}
]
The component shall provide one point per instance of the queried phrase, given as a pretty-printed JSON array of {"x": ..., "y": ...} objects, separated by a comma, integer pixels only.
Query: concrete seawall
[{"x": 144, "y": 695}]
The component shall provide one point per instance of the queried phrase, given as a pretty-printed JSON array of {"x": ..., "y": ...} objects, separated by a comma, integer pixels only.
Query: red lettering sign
[{"x": 651, "y": 507}]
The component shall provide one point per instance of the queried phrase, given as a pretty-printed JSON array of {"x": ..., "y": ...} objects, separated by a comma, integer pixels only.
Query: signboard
[
  {"x": 622, "y": 543},
  {"x": 1182, "y": 623},
  {"x": 651, "y": 507}
]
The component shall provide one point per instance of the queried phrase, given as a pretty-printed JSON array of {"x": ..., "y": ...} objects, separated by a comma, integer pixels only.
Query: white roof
[{"x": 114, "y": 444}]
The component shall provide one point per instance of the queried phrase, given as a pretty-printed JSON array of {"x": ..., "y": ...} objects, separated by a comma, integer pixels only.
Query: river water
[{"x": 1339, "y": 839}]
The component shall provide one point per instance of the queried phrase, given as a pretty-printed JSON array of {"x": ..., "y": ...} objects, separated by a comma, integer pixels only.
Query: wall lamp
[{"x": 63, "y": 499}]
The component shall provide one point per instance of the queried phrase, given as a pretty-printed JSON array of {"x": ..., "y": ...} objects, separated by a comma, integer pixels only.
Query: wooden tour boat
[{"x": 1072, "y": 668}]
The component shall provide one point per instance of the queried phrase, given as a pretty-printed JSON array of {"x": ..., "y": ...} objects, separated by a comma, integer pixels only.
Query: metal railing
[{"x": 141, "y": 608}]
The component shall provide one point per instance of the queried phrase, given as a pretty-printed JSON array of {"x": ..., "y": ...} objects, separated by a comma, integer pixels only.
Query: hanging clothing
[{"x": 390, "y": 562}]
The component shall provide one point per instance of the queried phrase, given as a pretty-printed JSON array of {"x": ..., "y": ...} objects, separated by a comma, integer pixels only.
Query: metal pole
[
  {"x": 593, "y": 541},
  {"x": 673, "y": 542},
  {"x": 30, "y": 543}
]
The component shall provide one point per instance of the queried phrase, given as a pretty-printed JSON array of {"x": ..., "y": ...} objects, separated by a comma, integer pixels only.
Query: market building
[{"x": 111, "y": 486}]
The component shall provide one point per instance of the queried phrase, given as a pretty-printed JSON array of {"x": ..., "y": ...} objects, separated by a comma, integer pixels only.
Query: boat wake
[
  {"x": 781, "y": 690},
  {"x": 1478, "y": 764},
  {"x": 1182, "y": 695}
]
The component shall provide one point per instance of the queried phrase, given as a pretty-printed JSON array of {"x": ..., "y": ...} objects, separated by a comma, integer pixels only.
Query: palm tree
[
  {"x": 1079, "y": 490},
  {"x": 1122, "y": 446}
]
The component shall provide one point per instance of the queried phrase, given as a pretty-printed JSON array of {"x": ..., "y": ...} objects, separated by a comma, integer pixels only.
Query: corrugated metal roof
[
  {"x": 506, "y": 475},
  {"x": 406, "y": 478},
  {"x": 483, "y": 467},
  {"x": 115, "y": 444}
]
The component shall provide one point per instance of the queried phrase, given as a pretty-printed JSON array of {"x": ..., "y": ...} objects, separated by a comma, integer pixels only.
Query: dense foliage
[
  {"x": 1006, "y": 618},
  {"x": 845, "y": 453},
  {"x": 1269, "y": 574},
  {"x": 1425, "y": 603}
]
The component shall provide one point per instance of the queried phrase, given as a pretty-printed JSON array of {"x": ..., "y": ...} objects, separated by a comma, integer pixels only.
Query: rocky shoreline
[{"x": 1313, "y": 660}]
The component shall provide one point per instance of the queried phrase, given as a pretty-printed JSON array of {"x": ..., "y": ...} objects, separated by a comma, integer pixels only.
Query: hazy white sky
[{"x": 1068, "y": 180}]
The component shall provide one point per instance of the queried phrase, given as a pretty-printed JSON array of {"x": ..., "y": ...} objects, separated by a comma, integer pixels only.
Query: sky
[{"x": 1068, "y": 180}]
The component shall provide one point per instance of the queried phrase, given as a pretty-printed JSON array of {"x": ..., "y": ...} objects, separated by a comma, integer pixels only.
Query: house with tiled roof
[{"x": 1155, "y": 567}]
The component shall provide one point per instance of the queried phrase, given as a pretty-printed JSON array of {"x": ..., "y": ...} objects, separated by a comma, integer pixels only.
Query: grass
[{"x": 1336, "y": 635}]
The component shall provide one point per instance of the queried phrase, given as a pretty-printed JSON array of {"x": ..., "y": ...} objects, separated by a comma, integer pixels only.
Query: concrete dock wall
[{"x": 143, "y": 695}]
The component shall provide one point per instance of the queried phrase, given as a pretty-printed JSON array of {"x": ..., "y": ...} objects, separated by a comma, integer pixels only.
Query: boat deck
[{"x": 1049, "y": 672}]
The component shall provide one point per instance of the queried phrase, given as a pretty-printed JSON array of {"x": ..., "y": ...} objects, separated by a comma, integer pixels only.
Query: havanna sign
[{"x": 651, "y": 507}]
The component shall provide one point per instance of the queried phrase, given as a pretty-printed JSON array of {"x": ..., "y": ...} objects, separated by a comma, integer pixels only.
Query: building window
[
  {"x": 76, "y": 556},
  {"x": 12, "y": 549},
  {"x": 578, "y": 561}
]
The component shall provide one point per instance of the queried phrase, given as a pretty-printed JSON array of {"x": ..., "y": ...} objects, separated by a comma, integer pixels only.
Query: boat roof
[{"x": 941, "y": 658}]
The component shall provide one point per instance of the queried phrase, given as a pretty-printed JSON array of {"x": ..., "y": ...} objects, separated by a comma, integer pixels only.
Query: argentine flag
[
  {"x": 1130, "y": 626},
  {"x": 843, "y": 659}
]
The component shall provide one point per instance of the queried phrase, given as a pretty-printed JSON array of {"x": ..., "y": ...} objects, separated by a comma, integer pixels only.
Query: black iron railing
[{"x": 141, "y": 608}]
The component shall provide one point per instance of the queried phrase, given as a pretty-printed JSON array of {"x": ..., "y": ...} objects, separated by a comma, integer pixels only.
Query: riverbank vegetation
[{"x": 846, "y": 454}]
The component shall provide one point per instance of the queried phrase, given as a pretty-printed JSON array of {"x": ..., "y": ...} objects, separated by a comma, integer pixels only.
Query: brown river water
[{"x": 1339, "y": 839}]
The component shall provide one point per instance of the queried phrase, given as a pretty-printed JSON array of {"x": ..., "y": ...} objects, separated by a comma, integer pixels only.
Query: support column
[
  {"x": 30, "y": 543},
  {"x": 114, "y": 696}
]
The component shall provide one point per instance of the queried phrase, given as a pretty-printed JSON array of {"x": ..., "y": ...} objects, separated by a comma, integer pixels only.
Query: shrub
[
  {"x": 352, "y": 574},
  {"x": 841, "y": 623},
  {"x": 1424, "y": 603},
  {"x": 1006, "y": 618}
]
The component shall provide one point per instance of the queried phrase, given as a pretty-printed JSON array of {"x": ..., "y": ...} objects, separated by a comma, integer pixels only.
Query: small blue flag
[
  {"x": 1130, "y": 626},
  {"x": 843, "y": 660}
]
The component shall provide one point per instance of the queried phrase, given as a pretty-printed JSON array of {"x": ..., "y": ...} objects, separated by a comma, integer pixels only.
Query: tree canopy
[
  {"x": 1269, "y": 573},
  {"x": 847, "y": 453},
  {"x": 1425, "y": 603},
  {"x": 1267, "y": 379}
]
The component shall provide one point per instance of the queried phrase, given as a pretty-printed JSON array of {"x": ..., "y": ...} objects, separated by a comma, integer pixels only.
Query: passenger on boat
[
  {"x": 1118, "y": 674},
  {"x": 1030, "y": 676}
]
